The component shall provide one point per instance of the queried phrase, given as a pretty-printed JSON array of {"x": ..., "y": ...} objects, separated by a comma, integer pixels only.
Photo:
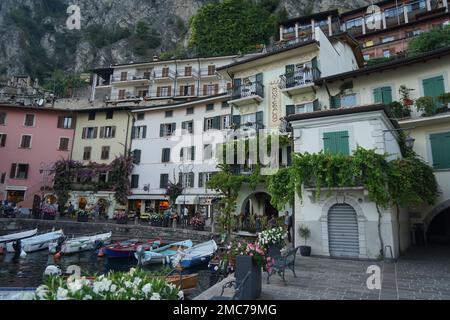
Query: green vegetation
[
  {"x": 429, "y": 41},
  {"x": 101, "y": 36},
  {"x": 233, "y": 26},
  {"x": 62, "y": 84},
  {"x": 145, "y": 38}
]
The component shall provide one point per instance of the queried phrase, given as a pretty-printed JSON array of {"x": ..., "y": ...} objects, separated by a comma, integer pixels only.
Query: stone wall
[{"x": 120, "y": 232}]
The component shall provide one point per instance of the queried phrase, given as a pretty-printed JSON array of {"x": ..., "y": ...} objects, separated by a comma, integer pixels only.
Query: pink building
[{"x": 31, "y": 140}]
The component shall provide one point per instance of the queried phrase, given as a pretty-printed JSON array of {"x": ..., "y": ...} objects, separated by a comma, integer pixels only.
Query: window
[
  {"x": 348, "y": 100},
  {"x": 103, "y": 177},
  {"x": 91, "y": 116},
  {"x": 139, "y": 132},
  {"x": 440, "y": 144},
  {"x": 87, "y": 153},
  {"x": 187, "y": 179},
  {"x": 29, "y": 120},
  {"x": 3, "y": 178},
  {"x": 355, "y": 23},
  {"x": 305, "y": 107},
  {"x": 165, "y": 72},
  {"x": 225, "y": 104},
  {"x": 187, "y": 71},
  {"x": 187, "y": 153},
  {"x": 188, "y": 127},
  {"x": 169, "y": 114},
  {"x": 209, "y": 124},
  {"x": 207, "y": 152},
  {"x": 134, "y": 181},
  {"x": 393, "y": 12},
  {"x": 203, "y": 178},
  {"x": 186, "y": 91},
  {"x": 433, "y": 87},
  {"x": 2, "y": 118},
  {"x": 210, "y": 107},
  {"x": 141, "y": 116},
  {"x": 165, "y": 157},
  {"x": 25, "y": 142},
  {"x": 248, "y": 119},
  {"x": 109, "y": 114},
  {"x": 19, "y": 171},
  {"x": 211, "y": 70},
  {"x": 107, "y": 132},
  {"x": 105, "y": 153},
  {"x": 210, "y": 89},
  {"x": 137, "y": 156},
  {"x": 167, "y": 129},
  {"x": 415, "y": 5},
  {"x": 63, "y": 144},
  {"x": 225, "y": 122},
  {"x": 89, "y": 133},
  {"x": 163, "y": 180},
  {"x": 336, "y": 143},
  {"x": 65, "y": 122},
  {"x": 190, "y": 110},
  {"x": 123, "y": 76},
  {"x": 386, "y": 53},
  {"x": 122, "y": 94},
  {"x": 2, "y": 139},
  {"x": 382, "y": 95},
  {"x": 163, "y": 91},
  {"x": 366, "y": 57},
  {"x": 387, "y": 39}
]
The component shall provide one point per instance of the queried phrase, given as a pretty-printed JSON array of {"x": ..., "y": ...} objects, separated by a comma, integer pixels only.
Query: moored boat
[
  {"x": 18, "y": 236},
  {"x": 184, "y": 281},
  {"x": 198, "y": 254},
  {"x": 36, "y": 243},
  {"x": 126, "y": 249},
  {"x": 80, "y": 244},
  {"x": 161, "y": 254}
]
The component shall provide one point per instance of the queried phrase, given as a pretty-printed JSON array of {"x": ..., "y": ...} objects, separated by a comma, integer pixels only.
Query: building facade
[{"x": 31, "y": 140}]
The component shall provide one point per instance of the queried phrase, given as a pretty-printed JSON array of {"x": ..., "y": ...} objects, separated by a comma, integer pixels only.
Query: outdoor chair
[
  {"x": 237, "y": 286},
  {"x": 286, "y": 260}
]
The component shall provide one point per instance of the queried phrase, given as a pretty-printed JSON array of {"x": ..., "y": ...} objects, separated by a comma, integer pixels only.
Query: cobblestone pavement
[{"x": 423, "y": 273}]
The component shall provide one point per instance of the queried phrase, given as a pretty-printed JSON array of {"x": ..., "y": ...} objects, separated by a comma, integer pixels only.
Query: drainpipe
[{"x": 129, "y": 114}]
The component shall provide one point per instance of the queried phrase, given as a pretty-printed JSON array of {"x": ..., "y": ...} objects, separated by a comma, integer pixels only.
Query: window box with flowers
[
  {"x": 197, "y": 223},
  {"x": 48, "y": 212},
  {"x": 121, "y": 217},
  {"x": 83, "y": 215}
]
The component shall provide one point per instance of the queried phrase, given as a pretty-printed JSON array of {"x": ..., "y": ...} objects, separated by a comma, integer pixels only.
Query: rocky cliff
[{"x": 34, "y": 36}]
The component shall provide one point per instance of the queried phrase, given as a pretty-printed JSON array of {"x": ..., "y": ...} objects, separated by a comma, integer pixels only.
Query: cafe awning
[{"x": 187, "y": 199}]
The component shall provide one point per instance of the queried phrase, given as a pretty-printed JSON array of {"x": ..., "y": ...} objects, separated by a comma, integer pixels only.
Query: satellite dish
[{"x": 40, "y": 102}]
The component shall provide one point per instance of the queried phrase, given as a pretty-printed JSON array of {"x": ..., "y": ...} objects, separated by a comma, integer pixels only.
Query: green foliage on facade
[
  {"x": 403, "y": 182},
  {"x": 63, "y": 85},
  {"x": 232, "y": 26},
  {"x": 429, "y": 41}
]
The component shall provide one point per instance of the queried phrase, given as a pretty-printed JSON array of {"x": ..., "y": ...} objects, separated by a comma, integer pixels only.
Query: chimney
[{"x": 155, "y": 58}]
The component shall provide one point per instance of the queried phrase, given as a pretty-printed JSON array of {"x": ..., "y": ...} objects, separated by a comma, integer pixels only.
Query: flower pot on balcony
[{"x": 252, "y": 288}]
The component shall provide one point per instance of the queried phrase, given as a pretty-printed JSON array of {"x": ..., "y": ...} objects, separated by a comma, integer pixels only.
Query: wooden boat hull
[
  {"x": 187, "y": 281},
  {"x": 121, "y": 251}
]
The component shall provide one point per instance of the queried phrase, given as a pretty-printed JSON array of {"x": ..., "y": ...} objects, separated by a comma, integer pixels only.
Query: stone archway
[
  {"x": 361, "y": 219},
  {"x": 437, "y": 224},
  {"x": 254, "y": 207}
]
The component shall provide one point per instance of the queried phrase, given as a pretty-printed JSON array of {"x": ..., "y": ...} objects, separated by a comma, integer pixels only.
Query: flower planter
[
  {"x": 83, "y": 218},
  {"x": 305, "y": 251},
  {"x": 252, "y": 288}
]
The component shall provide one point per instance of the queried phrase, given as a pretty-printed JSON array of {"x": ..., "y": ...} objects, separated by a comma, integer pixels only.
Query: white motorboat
[
  {"x": 36, "y": 243},
  {"x": 18, "y": 236},
  {"x": 162, "y": 254},
  {"x": 79, "y": 244},
  {"x": 197, "y": 255}
]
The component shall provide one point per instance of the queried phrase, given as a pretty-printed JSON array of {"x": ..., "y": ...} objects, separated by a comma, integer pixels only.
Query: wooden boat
[
  {"x": 126, "y": 249},
  {"x": 162, "y": 254},
  {"x": 187, "y": 281},
  {"x": 80, "y": 244},
  {"x": 18, "y": 236},
  {"x": 198, "y": 254},
  {"x": 36, "y": 243}
]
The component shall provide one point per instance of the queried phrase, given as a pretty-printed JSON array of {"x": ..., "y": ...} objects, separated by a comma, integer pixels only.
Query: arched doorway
[
  {"x": 438, "y": 231},
  {"x": 256, "y": 207},
  {"x": 343, "y": 235}
]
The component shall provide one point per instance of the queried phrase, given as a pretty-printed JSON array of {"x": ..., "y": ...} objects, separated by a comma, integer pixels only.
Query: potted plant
[
  {"x": 48, "y": 212},
  {"x": 156, "y": 219},
  {"x": 83, "y": 215},
  {"x": 304, "y": 233},
  {"x": 121, "y": 217},
  {"x": 426, "y": 105},
  {"x": 272, "y": 241}
]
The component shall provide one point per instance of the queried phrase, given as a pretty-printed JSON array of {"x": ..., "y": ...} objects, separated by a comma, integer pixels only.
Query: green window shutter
[
  {"x": 237, "y": 121},
  {"x": 161, "y": 130},
  {"x": 216, "y": 123},
  {"x": 336, "y": 142},
  {"x": 440, "y": 144},
  {"x": 290, "y": 109},
  {"x": 377, "y": 95},
  {"x": 290, "y": 69},
  {"x": 316, "y": 105},
  {"x": 200, "y": 179},
  {"x": 314, "y": 63},
  {"x": 260, "y": 119},
  {"x": 192, "y": 153},
  {"x": 386, "y": 93},
  {"x": 335, "y": 102},
  {"x": 433, "y": 87}
]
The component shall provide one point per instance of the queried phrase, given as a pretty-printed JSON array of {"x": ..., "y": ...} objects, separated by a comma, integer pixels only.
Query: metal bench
[
  {"x": 237, "y": 286},
  {"x": 287, "y": 260}
]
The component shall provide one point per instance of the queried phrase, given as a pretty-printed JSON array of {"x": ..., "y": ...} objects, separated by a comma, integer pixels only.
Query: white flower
[
  {"x": 75, "y": 286},
  {"x": 147, "y": 288},
  {"x": 180, "y": 295},
  {"x": 132, "y": 271},
  {"x": 137, "y": 281},
  {"x": 61, "y": 294},
  {"x": 87, "y": 297},
  {"x": 113, "y": 288},
  {"x": 101, "y": 286},
  {"x": 41, "y": 292},
  {"x": 155, "y": 296},
  {"x": 128, "y": 284}
]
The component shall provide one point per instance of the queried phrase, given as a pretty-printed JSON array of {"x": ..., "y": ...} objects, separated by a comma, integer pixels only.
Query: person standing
[{"x": 288, "y": 224}]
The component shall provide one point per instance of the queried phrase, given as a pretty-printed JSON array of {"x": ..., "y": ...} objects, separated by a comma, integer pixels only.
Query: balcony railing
[
  {"x": 298, "y": 78},
  {"x": 255, "y": 89},
  {"x": 206, "y": 72},
  {"x": 131, "y": 77},
  {"x": 183, "y": 73},
  {"x": 129, "y": 96},
  {"x": 160, "y": 74}
]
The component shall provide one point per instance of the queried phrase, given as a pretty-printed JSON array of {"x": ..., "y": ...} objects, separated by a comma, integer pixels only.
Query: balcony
[
  {"x": 298, "y": 82},
  {"x": 247, "y": 94},
  {"x": 187, "y": 74},
  {"x": 207, "y": 72},
  {"x": 164, "y": 74},
  {"x": 135, "y": 80},
  {"x": 127, "y": 97}
]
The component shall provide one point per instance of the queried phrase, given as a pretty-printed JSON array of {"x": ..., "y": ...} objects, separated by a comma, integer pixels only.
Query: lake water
[{"x": 28, "y": 271}]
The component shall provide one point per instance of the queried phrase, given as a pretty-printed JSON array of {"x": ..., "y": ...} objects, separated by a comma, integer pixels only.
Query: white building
[{"x": 177, "y": 142}]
